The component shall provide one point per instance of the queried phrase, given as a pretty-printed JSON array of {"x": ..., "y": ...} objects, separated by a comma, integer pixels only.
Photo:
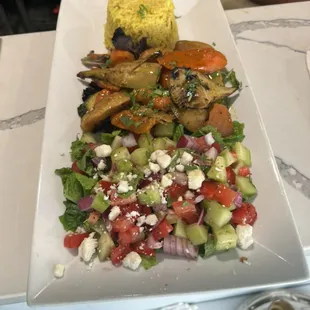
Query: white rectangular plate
[{"x": 277, "y": 256}]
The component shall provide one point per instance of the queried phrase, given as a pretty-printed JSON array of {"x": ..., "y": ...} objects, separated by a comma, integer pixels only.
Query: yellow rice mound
[{"x": 153, "y": 19}]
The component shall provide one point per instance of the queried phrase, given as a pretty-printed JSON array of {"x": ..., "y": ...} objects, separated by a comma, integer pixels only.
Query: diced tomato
[
  {"x": 231, "y": 176},
  {"x": 224, "y": 195},
  {"x": 186, "y": 210},
  {"x": 76, "y": 169},
  {"x": 171, "y": 149},
  {"x": 119, "y": 253},
  {"x": 92, "y": 146},
  {"x": 245, "y": 215},
  {"x": 93, "y": 217},
  {"x": 176, "y": 190},
  {"x": 162, "y": 230},
  {"x": 146, "y": 210},
  {"x": 208, "y": 189},
  {"x": 105, "y": 185},
  {"x": 122, "y": 223},
  {"x": 150, "y": 179},
  {"x": 142, "y": 249},
  {"x": 74, "y": 241},
  {"x": 135, "y": 206},
  {"x": 202, "y": 144},
  {"x": 217, "y": 146},
  {"x": 130, "y": 236},
  {"x": 119, "y": 201},
  {"x": 244, "y": 171}
]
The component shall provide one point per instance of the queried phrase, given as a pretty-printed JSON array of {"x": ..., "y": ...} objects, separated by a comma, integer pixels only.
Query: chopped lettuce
[
  {"x": 205, "y": 130},
  {"x": 148, "y": 262},
  {"x": 64, "y": 173},
  {"x": 77, "y": 149},
  {"x": 178, "y": 132},
  {"x": 237, "y": 136},
  {"x": 73, "y": 217},
  {"x": 85, "y": 163},
  {"x": 73, "y": 189},
  {"x": 107, "y": 138},
  {"x": 86, "y": 183}
]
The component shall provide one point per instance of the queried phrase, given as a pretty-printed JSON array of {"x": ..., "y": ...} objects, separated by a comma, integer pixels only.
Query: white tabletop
[{"x": 272, "y": 42}]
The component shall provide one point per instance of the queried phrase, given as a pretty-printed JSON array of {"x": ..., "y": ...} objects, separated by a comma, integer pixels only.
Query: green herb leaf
[
  {"x": 107, "y": 64},
  {"x": 77, "y": 149},
  {"x": 73, "y": 190},
  {"x": 169, "y": 200},
  {"x": 230, "y": 76},
  {"x": 127, "y": 122},
  {"x": 142, "y": 10},
  {"x": 64, "y": 173},
  {"x": 148, "y": 262},
  {"x": 85, "y": 164},
  {"x": 107, "y": 138},
  {"x": 237, "y": 136},
  {"x": 73, "y": 217},
  {"x": 178, "y": 132},
  {"x": 174, "y": 159},
  {"x": 205, "y": 130},
  {"x": 190, "y": 167},
  {"x": 185, "y": 203},
  {"x": 86, "y": 183}
]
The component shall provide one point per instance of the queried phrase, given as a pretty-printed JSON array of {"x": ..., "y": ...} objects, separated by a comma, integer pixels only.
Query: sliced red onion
[
  {"x": 201, "y": 217},
  {"x": 199, "y": 198},
  {"x": 152, "y": 243},
  {"x": 180, "y": 178},
  {"x": 180, "y": 247},
  {"x": 84, "y": 203},
  {"x": 209, "y": 138},
  {"x": 107, "y": 223},
  {"x": 193, "y": 143},
  {"x": 185, "y": 141},
  {"x": 212, "y": 153},
  {"x": 129, "y": 140},
  {"x": 238, "y": 200},
  {"x": 159, "y": 208}
]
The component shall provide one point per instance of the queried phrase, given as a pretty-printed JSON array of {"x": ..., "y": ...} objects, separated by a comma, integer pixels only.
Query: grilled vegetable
[
  {"x": 184, "y": 45},
  {"x": 107, "y": 106}
]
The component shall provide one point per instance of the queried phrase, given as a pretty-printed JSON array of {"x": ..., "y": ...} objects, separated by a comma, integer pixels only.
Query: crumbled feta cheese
[
  {"x": 132, "y": 214},
  {"x": 101, "y": 165},
  {"x": 131, "y": 177},
  {"x": 164, "y": 161},
  {"x": 147, "y": 172},
  {"x": 244, "y": 234},
  {"x": 103, "y": 150},
  {"x": 80, "y": 230},
  {"x": 166, "y": 180},
  {"x": 209, "y": 138},
  {"x": 189, "y": 195},
  {"x": 132, "y": 260},
  {"x": 123, "y": 187},
  {"x": 154, "y": 167},
  {"x": 141, "y": 220},
  {"x": 88, "y": 248},
  {"x": 195, "y": 178},
  {"x": 180, "y": 168},
  {"x": 186, "y": 158},
  {"x": 180, "y": 198},
  {"x": 114, "y": 213},
  {"x": 151, "y": 219},
  {"x": 59, "y": 271},
  {"x": 156, "y": 154},
  {"x": 95, "y": 176}
]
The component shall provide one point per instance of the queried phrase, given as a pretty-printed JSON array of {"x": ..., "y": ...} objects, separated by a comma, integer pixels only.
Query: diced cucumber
[
  {"x": 105, "y": 246},
  {"x": 238, "y": 165},
  {"x": 116, "y": 143},
  {"x": 180, "y": 229},
  {"x": 208, "y": 248},
  {"x": 149, "y": 196},
  {"x": 197, "y": 234},
  {"x": 172, "y": 218},
  {"x": 145, "y": 141},
  {"x": 119, "y": 176},
  {"x": 217, "y": 215},
  {"x": 99, "y": 227},
  {"x": 124, "y": 165},
  {"x": 140, "y": 157},
  {"x": 228, "y": 157},
  {"x": 120, "y": 153},
  {"x": 164, "y": 130},
  {"x": 99, "y": 203},
  {"x": 243, "y": 153},
  {"x": 87, "y": 137},
  {"x": 245, "y": 186},
  {"x": 169, "y": 143},
  {"x": 159, "y": 144},
  {"x": 232, "y": 207},
  {"x": 217, "y": 171},
  {"x": 225, "y": 238}
]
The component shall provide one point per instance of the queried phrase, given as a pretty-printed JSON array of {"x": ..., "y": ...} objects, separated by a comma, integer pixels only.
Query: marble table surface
[{"x": 272, "y": 42}]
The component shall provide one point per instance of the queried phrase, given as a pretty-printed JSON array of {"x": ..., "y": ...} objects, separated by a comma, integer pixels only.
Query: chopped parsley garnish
[
  {"x": 213, "y": 43},
  {"x": 185, "y": 203},
  {"x": 106, "y": 64},
  {"x": 230, "y": 76},
  {"x": 142, "y": 10}
]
